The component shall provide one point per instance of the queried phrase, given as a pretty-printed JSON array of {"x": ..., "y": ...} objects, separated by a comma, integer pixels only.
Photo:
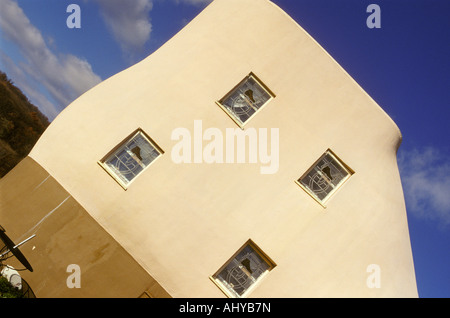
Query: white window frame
[
  {"x": 336, "y": 187},
  {"x": 228, "y": 290},
  {"x": 121, "y": 180},
  {"x": 231, "y": 114}
]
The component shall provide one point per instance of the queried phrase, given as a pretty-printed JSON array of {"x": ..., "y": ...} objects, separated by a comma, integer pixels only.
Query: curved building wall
[{"x": 181, "y": 222}]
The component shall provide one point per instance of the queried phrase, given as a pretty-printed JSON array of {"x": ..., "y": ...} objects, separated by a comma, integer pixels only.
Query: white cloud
[
  {"x": 53, "y": 80},
  {"x": 129, "y": 22},
  {"x": 426, "y": 181},
  {"x": 64, "y": 76}
]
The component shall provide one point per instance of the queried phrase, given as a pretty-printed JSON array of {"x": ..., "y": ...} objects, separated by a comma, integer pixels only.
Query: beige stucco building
[{"x": 115, "y": 186}]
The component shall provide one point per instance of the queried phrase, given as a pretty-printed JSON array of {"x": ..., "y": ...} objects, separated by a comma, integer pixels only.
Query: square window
[
  {"x": 325, "y": 177},
  {"x": 247, "y": 98},
  {"x": 242, "y": 272},
  {"x": 130, "y": 158}
]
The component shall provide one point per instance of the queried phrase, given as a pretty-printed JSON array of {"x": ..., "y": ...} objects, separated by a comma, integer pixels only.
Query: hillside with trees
[{"x": 21, "y": 125}]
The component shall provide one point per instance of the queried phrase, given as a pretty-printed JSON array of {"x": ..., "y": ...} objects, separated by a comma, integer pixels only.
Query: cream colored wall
[{"x": 182, "y": 222}]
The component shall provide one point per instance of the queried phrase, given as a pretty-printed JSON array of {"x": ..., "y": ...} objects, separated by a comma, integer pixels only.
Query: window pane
[
  {"x": 246, "y": 99},
  {"x": 131, "y": 158},
  {"x": 243, "y": 271},
  {"x": 324, "y": 177}
]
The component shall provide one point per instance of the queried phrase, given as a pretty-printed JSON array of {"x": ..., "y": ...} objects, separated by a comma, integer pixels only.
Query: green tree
[{"x": 21, "y": 125}]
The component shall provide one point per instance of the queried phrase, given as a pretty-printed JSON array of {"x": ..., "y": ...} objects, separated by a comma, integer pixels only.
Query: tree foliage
[{"x": 21, "y": 125}]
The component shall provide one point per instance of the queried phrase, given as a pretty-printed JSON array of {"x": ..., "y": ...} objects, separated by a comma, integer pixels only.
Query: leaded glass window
[
  {"x": 324, "y": 177},
  {"x": 131, "y": 158},
  {"x": 243, "y": 271},
  {"x": 245, "y": 99}
]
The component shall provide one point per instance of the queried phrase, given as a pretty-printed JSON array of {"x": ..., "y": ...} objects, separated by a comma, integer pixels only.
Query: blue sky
[{"x": 404, "y": 66}]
